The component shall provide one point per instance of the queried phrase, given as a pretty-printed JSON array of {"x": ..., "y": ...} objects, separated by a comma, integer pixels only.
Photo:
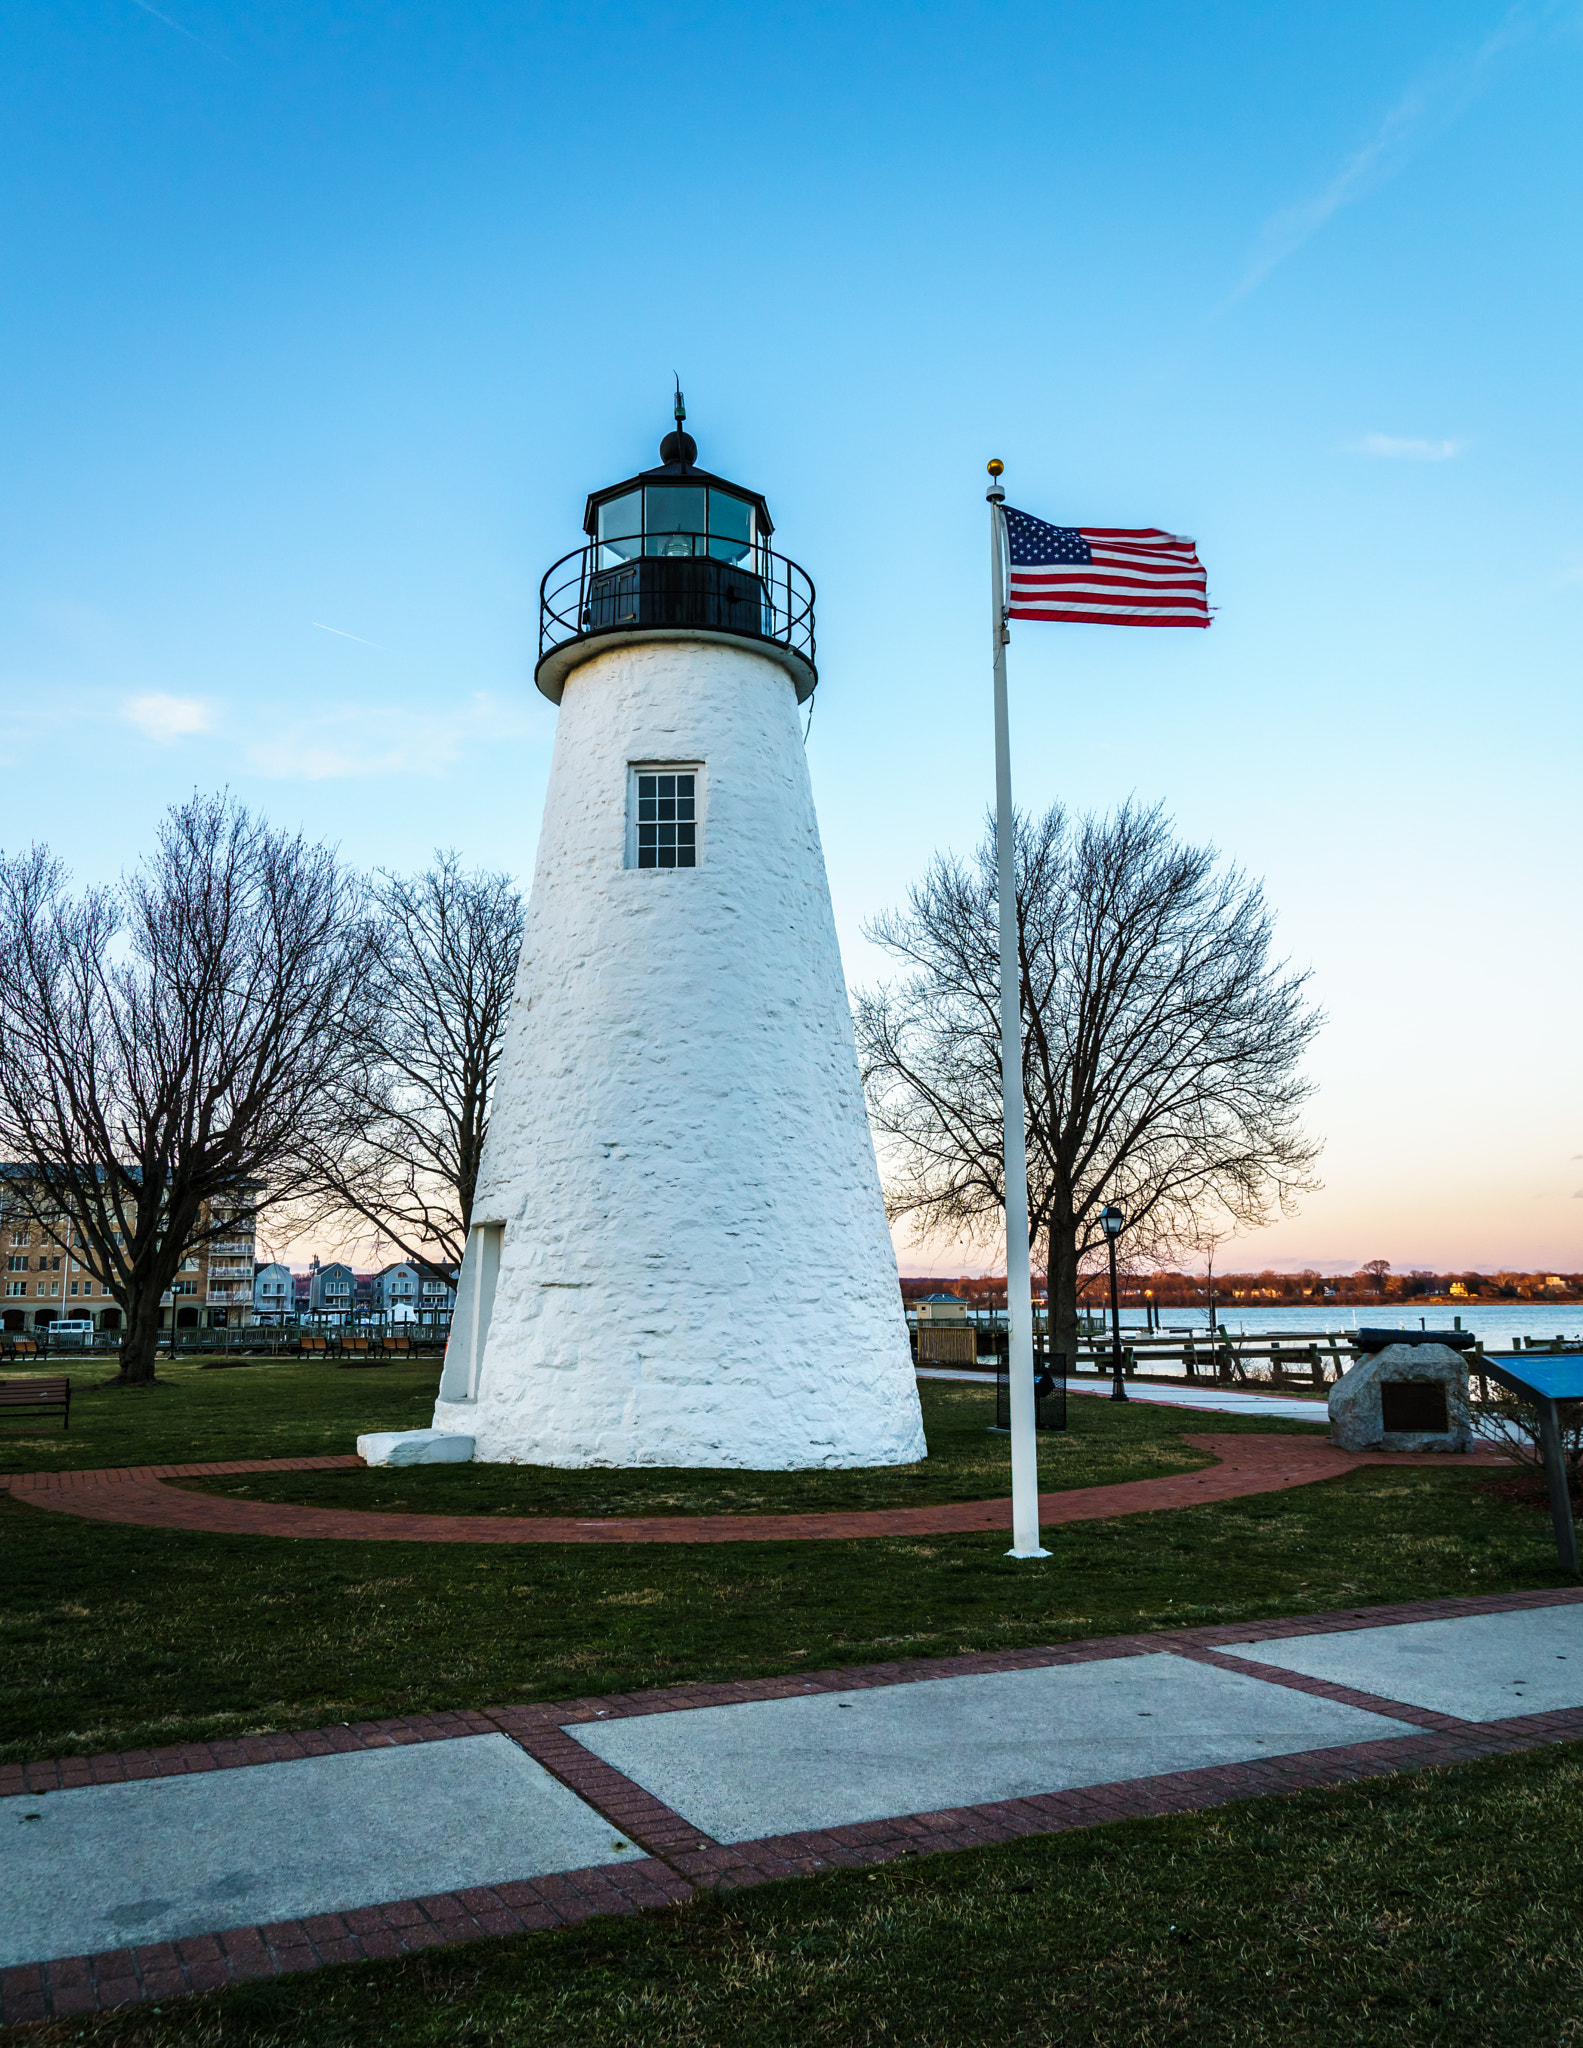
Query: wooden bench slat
[{"x": 43, "y": 1396}]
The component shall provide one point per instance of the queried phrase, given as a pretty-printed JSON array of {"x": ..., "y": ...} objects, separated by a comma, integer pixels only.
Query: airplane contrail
[
  {"x": 323, "y": 628},
  {"x": 1429, "y": 105},
  {"x": 187, "y": 32}
]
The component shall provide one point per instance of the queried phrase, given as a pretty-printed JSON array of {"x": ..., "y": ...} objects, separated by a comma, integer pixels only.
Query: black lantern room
[{"x": 675, "y": 553}]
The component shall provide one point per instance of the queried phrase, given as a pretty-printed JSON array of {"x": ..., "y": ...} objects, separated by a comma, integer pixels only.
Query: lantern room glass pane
[
  {"x": 620, "y": 529},
  {"x": 672, "y": 516},
  {"x": 730, "y": 527}
]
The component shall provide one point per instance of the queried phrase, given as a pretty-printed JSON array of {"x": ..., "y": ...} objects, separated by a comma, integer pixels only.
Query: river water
[{"x": 1497, "y": 1323}]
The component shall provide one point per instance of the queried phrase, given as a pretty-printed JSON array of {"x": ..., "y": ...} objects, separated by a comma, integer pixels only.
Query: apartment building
[
  {"x": 44, "y": 1280},
  {"x": 227, "y": 1262},
  {"x": 274, "y": 1294},
  {"x": 47, "y": 1277},
  {"x": 395, "y": 1293},
  {"x": 332, "y": 1290}
]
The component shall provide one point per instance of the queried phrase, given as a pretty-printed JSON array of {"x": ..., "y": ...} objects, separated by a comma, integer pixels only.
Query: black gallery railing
[{"x": 764, "y": 596}]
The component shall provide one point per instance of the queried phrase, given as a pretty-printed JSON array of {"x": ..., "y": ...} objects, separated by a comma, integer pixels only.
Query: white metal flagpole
[{"x": 1019, "y": 1280}]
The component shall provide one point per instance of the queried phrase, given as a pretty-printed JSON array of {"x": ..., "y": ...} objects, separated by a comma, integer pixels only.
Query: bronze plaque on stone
[{"x": 1414, "y": 1407}]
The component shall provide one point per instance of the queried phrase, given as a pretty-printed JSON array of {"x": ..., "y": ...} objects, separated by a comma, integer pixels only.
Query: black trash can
[{"x": 1049, "y": 1390}]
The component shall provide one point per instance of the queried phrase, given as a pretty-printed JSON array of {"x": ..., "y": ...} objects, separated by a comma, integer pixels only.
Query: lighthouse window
[
  {"x": 666, "y": 826},
  {"x": 672, "y": 516},
  {"x": 674, "y": 519},
  {"x": 729, "y": 530},
  {"x": 621, "y": 529}
]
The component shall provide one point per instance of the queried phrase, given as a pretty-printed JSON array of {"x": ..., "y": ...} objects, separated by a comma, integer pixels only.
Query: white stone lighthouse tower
[{"x": 679, "y": 1253}]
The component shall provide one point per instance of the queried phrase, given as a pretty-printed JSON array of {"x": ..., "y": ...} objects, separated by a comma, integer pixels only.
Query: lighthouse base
[{"x": 721, "y": 1427}]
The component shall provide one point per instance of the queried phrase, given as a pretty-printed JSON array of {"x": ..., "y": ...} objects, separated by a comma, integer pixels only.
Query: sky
[{"x": 321, "y": 321}]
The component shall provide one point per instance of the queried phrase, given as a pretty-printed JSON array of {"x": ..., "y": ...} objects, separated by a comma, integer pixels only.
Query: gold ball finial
[{"x": 997, "y": 468}]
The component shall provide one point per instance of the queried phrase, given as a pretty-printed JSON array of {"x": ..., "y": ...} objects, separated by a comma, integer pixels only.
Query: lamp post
[{"x": 1113, "y": 1222}]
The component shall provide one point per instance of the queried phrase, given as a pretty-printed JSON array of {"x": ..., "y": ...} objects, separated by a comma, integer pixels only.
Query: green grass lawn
[
  {"x": 1436, "y": 1908},
  {"x": 967, "y": 1461},
  {"x": 287, "y": 1408},
  {"x": 112, "y": 1637},
  {"x": 279, "y": 1408}
]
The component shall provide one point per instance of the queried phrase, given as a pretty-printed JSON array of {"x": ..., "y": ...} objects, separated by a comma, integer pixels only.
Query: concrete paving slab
[
  {"x": 775, "y": 1767},
  {"x": 1479, "y": 1667},
  {"x": 111, "y": 1866}
]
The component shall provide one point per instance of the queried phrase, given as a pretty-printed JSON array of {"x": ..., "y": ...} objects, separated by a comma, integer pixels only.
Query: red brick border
[
  {"x": 206, "y": 1962},
  {"x": 682, "y": 1859},
  {"x": 1245, "y": 1464},
  {"x": 179, "y": 1760}
]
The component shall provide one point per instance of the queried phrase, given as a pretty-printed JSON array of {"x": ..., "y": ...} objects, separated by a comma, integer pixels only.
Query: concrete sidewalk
[
  {"x": 124, "y": 1878},
  {"x": 1219, "y": 1400}
]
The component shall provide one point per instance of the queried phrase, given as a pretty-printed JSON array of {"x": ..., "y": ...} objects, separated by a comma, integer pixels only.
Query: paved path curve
[{"x": 139, "y": 1494}]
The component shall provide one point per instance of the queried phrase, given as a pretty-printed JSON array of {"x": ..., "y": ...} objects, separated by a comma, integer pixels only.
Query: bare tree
[
  {"x": 410, "y": 1117},
  {"x": 164, "y": 1042},
  {"x": 1160, "y": 1046},
  {"x": 1512, "y": 1425}
]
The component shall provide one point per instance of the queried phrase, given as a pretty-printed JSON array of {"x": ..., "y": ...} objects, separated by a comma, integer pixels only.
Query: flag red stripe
[
  {"x": 1118, "y": 617},
  {"x": 1132, "y": 533},
  {"x": 1103, "y": 590},
  {"x": 1121, "y": 579},
  {"x": 1114, "y": 552}
]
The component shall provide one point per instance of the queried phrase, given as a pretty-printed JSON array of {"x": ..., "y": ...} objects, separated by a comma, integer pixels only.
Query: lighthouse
[{"x": 678, "y": 1252}]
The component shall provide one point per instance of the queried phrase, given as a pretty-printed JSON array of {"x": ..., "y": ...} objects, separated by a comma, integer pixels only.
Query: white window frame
[{"x": 693, "y": 768}]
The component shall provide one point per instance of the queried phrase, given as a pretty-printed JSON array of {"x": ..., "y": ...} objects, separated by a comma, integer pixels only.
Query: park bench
[
  {"x": 19, "y": 1347},
  {"x": 313, "y": 1346},
  {"x": 360, "y": 1351},
  {"x": 38, "y": 1397}
]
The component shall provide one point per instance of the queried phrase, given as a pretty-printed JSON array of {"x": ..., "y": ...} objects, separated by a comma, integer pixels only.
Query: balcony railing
[{"x": 763, "y": 597}]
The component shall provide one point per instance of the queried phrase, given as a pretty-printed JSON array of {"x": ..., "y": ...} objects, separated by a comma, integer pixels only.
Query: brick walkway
[
  {"x": 679, "y": 1860},
  {"x": 140, "y": 1494}
]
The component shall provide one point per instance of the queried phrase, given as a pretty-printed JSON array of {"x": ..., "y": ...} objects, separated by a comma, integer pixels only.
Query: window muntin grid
[{"x": 665, "y": 818}]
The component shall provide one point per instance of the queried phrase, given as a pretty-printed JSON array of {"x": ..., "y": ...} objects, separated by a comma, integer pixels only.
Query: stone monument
[
  {"x": 1408, "y": 1392},
  {"x": 678, "y": 1252}
]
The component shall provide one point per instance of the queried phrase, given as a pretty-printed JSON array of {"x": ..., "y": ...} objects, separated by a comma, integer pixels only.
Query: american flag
[{"x": 1103, "y": 575}]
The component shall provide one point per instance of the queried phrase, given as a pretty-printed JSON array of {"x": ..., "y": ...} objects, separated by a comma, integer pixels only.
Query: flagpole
[{"x": 1019, "y": 1280}]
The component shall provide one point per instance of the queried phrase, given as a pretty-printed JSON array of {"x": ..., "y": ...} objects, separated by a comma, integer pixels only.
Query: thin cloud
[
  {"x": 1403, "y": 448},
  {"x": 1428, "y": 107},
  {"x": 167, "y": 719},
  {"x": 362, "y": 741}
]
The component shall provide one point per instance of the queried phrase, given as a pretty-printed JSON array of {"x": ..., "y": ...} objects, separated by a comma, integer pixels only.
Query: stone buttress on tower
[{"x": 678, "y": 1252}]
